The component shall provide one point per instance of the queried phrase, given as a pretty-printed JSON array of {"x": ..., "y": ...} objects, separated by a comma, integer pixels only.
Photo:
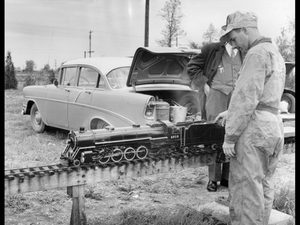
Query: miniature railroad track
[
  {"x": 62, "y": 176},
  {"x": 33, "y": 171},
  {"x": 55, "y": 176}
]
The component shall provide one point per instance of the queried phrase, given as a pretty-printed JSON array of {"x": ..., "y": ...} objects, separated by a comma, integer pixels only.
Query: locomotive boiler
[{"x": 161, "y": 137}]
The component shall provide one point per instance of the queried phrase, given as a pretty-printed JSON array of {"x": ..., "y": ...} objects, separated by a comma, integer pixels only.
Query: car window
[
  {"x": 69, "y": 76},
  {"x": 117, "y": 78},
  {"x": 88, "y": 77}
]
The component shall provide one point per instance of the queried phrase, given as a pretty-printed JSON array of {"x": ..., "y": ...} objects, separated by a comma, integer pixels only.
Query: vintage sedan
[
  {"x": 96, "y": 92},
  {"x": 288, "y": 95}
]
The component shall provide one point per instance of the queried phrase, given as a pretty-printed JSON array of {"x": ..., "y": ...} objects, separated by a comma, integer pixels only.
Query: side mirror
[{"x": 55, "y": 82}]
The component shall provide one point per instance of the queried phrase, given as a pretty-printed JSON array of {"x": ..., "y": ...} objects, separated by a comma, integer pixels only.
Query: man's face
[{"x": 238, "y": 38}]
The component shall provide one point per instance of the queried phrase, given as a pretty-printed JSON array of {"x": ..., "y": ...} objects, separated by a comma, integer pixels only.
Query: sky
[{"x": 54, "y": 31}]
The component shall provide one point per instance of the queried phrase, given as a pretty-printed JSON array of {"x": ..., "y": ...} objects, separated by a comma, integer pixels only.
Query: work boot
[{"x": 212, "y": 186}]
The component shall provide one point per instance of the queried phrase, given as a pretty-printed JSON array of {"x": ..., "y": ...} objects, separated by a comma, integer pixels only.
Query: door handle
[{"x": 88, "y": 92}]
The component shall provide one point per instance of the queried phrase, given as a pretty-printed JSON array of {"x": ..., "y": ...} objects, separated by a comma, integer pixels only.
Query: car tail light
[{"x": 150, "y": 108}]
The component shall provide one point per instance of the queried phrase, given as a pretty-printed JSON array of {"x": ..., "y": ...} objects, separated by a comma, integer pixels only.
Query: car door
[
  {"x": 79, "y": 109},
  {"x": 58, "y": 97}
]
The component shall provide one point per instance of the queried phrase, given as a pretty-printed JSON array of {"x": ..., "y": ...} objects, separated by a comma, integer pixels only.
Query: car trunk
[{"x": 162, "y": 72}]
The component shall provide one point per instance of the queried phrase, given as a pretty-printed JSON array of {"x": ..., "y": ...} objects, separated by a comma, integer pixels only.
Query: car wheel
[
  {"x": 98, "y": 124},
  {"x": 290, "y": 99},
  {"x": 191, "y": 102},
  {"x": 37, "y": 122}
]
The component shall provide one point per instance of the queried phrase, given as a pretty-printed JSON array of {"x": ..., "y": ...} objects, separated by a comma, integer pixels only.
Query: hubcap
[{"x": 37, "y": 117}]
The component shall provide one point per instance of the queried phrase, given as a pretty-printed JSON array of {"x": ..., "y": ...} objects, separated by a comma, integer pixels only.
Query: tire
[
  {"x": 36, "y": 119},
  {"x": 191, "y": 102},
  {"x": 290, "y": 99}
]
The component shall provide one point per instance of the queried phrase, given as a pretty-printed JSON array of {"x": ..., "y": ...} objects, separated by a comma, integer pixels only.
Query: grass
[
  {"x": 24, "y": 147},
  {"x": 17, "y": 202},
  {"x": 179, "y": 215},
  {"x": 90, "y": 192},
  {"x": 284, "y": 201}
]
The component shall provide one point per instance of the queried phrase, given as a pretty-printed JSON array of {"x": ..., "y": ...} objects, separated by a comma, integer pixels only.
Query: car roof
[{"x": 104, "y": 64}]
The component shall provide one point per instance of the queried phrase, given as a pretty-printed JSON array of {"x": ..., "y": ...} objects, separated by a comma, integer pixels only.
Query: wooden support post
[{"x": 78, "y": 216}]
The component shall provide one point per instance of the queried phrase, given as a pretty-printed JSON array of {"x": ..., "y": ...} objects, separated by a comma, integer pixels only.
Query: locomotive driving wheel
[
  {"x": 185, "y": 150},
  {"x": 142, "y": 152},
  {"x": 104, "y": 159},
  {"x": 129, "y": 154},
  {"x": 117, "y": 155}
]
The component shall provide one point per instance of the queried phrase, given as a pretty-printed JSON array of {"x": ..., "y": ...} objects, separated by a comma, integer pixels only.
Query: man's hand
[
  {"x": 228, "y": 149},
  {"x": 223, "y": 117}
]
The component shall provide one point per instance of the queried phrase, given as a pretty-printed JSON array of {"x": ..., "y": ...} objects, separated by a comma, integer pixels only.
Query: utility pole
[
  {"x": 55, "y": 65},
  {"x": 90, "y": 37},
  {"x": 146, "y": 44}
]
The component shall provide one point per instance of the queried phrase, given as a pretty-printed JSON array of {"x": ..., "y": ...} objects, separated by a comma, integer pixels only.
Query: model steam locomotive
[{"x": 161, "y": 137}]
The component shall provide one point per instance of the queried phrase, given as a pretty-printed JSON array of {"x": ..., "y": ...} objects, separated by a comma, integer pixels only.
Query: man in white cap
[{"x": 254, "y": 129}]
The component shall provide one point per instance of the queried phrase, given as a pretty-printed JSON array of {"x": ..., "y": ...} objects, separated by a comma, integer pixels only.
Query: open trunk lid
[{"x": 160, "y": 66}]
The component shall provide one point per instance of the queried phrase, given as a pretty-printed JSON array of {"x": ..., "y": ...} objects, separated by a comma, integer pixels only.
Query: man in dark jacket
[{"x": 214, "y": 72}]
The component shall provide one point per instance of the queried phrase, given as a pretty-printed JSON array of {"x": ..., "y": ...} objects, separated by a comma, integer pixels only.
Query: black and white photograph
[{"x": 149, "y": 112}]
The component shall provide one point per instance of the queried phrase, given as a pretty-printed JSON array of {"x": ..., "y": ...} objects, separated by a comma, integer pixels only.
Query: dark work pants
[
  {"x": 218, "y": 171},
  {"x": 216, "y": 103}
]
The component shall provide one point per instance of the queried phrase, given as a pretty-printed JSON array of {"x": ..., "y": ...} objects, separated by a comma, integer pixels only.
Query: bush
[
  {"x": 29, "y": 80},
  {"x": 51, "y": 76},
  {"x": 10, "y": 76}
]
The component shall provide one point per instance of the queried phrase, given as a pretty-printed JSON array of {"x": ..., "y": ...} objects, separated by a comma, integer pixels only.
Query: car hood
[
  {"x": 160, "y": 66},
  {"x": 289, "y": 66}
]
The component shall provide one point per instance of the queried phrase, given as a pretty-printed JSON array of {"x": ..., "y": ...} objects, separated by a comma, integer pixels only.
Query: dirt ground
[{"x": 107, "y": 199}]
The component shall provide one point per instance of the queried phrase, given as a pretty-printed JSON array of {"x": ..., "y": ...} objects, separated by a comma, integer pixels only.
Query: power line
[
  {"x": 146, "y": 44},
  {"x": 35, "y": 29}
]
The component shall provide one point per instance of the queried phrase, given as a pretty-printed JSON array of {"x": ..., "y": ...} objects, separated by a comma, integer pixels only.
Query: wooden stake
[{"x": 78, "y": 216}]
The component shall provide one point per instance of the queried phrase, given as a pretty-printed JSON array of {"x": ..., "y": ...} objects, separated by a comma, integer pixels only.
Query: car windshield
[{"x": 117, "y": 78}]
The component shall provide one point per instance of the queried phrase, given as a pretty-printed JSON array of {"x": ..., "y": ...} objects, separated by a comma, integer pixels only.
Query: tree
[
  {"x": 51, "y": 76},
  {"x": 50, "y": 72},
  {"x": 46, "y": 68},
  {"x": 286, "y": 47},
  {"x": 30, "y": 65},
  {"x": 171, "y": 12},
  {"x": 286, "y": 42},
  {"x": 211, "y": 35},
  {"x": 10, "y": 76}
]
